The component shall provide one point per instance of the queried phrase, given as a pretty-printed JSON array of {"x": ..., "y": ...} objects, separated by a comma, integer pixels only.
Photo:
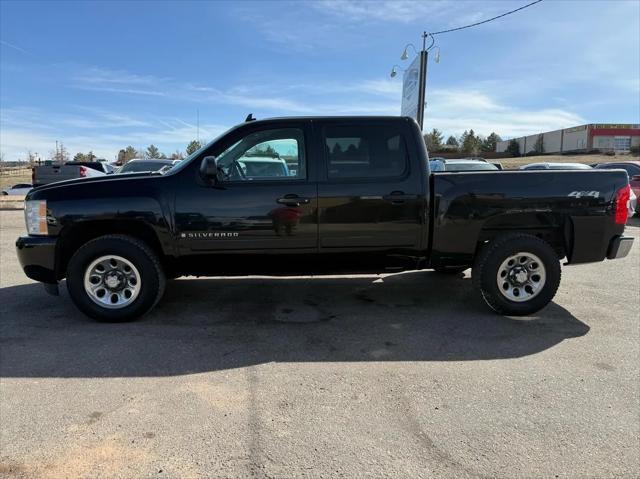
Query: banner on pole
[{"x": 410, "y": 90}]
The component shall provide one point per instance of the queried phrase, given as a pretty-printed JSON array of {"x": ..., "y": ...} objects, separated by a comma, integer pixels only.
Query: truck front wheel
[
  {"x": 115, "y": 278},
  {"x": 517, "y": 274}
]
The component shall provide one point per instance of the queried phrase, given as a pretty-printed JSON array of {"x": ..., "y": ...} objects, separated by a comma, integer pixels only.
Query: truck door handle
[
  {"x": 292, "y": 200},
  {"x": 398, "y": 197}
]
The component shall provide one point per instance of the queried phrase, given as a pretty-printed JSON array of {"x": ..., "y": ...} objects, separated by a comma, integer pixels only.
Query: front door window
[{"x": 266, "y": 155}]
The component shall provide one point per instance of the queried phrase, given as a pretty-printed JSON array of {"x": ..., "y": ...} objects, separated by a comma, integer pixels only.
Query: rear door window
[{"x": 365, "y": 151}]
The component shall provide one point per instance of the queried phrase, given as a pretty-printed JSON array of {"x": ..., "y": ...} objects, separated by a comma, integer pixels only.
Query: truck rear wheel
[
  {"x": 115, "y": 278},
  {"x": 517, "y": 274}
]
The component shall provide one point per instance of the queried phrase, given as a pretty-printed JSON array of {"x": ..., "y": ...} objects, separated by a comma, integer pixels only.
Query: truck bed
[{"x": 469, "y": 206}]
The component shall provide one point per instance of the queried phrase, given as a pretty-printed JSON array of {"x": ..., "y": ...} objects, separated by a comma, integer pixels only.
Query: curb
[{"x": 11, "y": 202}]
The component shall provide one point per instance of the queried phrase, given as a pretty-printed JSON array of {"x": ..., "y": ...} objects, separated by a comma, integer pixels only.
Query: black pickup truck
[{"x": 319, "y": 195}]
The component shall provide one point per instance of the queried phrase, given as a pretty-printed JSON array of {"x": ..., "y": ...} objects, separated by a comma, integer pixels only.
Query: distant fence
[
  {"x": 488, "y": 155},
  {"x": 11, "y": 202},
  {"x": 14, "y": 170}
]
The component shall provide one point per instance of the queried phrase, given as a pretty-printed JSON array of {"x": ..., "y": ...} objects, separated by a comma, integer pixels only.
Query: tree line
[
  {"x": 153, "y": 152},
  {"x": 468, "y": 143},
  {"x": 129, "y": 153}
]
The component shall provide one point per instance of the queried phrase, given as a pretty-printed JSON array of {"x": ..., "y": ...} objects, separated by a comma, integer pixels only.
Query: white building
[{"x": 598, "y": 136}]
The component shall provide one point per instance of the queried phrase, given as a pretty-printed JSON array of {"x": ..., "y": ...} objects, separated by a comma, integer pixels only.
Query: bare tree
[
  {"x": 177, "y": 155},
  {"x": 60, "y": 155},
  {"x": 32, "y": 158}
]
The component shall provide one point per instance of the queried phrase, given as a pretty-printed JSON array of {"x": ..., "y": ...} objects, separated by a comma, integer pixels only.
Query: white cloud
[
  {"x": 451, "y": 110},
  {"x": 14, "y": 47},
  {"x": 460, "y": 99},
  {"x": 456, "y": 110},
  {"x": 16, "y": 143},
  {"x": 120, "y": 81},
  {"x": 407, "y": 11},
  {"x": 121, "y": 77},
  {"x": 103, "y": 132},
  {"x": 127, "y": 91},
  {"x": 388, "y": 88}
]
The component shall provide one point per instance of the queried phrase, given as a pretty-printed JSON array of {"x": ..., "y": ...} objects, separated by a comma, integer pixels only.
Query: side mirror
[{"x": 209, "y": 169}]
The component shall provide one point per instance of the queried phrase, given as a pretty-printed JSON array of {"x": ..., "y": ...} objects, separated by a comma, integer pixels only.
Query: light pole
[
  {"x": 422, "y": 74},
  {"x": 394, "y": 71}
]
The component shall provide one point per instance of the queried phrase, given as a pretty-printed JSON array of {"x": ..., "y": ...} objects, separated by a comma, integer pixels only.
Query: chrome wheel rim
[
  {"x": 521, "y": 277},
  {"x": 112, "y": 282}
]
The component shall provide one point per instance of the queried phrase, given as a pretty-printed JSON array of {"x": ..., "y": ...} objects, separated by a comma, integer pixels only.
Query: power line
[{"x": 487, "y": 20}]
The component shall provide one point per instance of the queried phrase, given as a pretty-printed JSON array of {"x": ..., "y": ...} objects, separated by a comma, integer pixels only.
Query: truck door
[
  {"x": 267, "y": 201},
  {"x": 368, "y": 196}
]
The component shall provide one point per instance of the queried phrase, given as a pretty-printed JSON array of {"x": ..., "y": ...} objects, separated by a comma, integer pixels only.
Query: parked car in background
[
  {"x": 633, "y": 170},
  {"x": 633, "y": 204},
  {"x": 141, "y": 166},
  {"x": 18, "y": 190},
  {"x": 475, "y": 158},
  {"x": 497, "y": 164},
  {"x": 465, "y": 164},
  {"x": 555, "y": 166},
  {"x": 100, "y": 166},
  {"x": 259, "y": 167},
  {"x": 43, "y": 175}
]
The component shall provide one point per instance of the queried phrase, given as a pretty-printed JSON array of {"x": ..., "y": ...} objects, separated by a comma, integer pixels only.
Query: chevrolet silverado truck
[{"x": 358, "y": 197}]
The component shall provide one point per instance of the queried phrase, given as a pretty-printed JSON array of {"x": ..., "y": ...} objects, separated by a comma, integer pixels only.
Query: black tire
[
  {"x": 491, "y": 256},
  {"x": 152, "y": 282},
  {"x": 452, "y": 271}
]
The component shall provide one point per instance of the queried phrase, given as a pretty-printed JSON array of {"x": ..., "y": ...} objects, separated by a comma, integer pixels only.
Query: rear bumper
[
  {"x": 619, "y": 247},
  {"x": 37, "y": 256}
]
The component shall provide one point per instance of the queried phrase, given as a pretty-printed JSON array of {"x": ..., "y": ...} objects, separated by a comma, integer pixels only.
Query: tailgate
[{"x": 50, "y": 174}]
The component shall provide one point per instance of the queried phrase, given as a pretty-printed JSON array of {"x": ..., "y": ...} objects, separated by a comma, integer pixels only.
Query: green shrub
[{"x": 513, "y": 148}]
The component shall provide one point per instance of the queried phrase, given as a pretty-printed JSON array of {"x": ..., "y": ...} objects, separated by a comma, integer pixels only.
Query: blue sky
[{"x": 102, "y": 75}]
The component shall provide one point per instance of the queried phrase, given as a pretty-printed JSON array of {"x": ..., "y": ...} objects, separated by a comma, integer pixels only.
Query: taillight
[
  {"x": 83, "y": 173},
  {"x": 622, "y": 204}
]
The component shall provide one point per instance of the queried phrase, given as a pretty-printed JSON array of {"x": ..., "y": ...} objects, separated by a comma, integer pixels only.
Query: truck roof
[{"x": 334, "y": 118}]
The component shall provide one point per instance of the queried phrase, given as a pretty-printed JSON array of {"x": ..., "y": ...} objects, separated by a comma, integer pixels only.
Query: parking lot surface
[{"x": 406, "y": 375}]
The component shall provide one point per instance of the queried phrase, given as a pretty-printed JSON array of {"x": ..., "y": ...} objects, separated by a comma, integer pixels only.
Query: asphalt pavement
[{"x": 405, "y": 375}]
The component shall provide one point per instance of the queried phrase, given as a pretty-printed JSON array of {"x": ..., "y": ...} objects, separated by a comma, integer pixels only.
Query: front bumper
[
  {"x": 619, "y": 247},
  {"x": 37, "y": 256}
]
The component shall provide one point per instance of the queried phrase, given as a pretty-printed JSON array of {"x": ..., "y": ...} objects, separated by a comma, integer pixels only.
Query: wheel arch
[
  {"x": 554, "y": 228},
  {"x": 74, "y": 236},
  {"x": 457, "y": 244}
]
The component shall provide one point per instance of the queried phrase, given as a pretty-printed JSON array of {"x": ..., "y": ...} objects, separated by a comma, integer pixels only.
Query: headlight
[{"x": 35, "y": 216}]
